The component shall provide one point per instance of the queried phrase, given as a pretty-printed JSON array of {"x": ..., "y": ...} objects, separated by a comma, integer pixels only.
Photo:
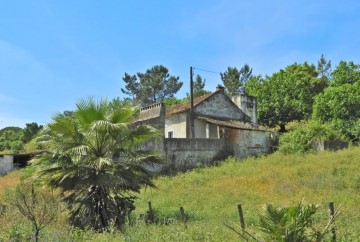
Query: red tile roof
[
  {"x": 178, "y": 108},
  {"x": 232, "y": 124}
]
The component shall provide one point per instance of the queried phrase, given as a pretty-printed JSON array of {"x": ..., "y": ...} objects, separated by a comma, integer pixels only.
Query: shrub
[{"x": 301, "y": 139}]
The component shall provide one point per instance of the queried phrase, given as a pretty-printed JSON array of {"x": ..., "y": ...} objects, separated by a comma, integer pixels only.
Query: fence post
[
  {"x": 182, "y": 213},
  {"x": 150, "y": 212},
  {"x": 241, "y": 216},
  {"x": 332, "y": 213}
]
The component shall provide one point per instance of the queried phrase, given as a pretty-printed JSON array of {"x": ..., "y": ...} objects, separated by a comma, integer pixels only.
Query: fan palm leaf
[{"x": 94, "y": 158}]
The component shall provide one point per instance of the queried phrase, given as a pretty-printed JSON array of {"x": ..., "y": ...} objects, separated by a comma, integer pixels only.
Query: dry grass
[{"x": 9, "y": 181}]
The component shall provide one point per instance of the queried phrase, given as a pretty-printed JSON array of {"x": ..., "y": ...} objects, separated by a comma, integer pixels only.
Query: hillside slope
[{"x": 210, "y": 195}]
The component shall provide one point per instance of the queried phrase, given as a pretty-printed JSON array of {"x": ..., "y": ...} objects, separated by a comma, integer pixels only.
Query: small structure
[
  {"x": 222, "y": 127},
  {"x": 9, "y": 162}
]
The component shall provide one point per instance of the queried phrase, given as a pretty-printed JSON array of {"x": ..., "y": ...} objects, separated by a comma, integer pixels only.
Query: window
[{"x": 170, "y": 134}]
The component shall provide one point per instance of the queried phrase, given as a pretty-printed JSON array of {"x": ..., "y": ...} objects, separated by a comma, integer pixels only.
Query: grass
[{"x": 210, "y": 197}]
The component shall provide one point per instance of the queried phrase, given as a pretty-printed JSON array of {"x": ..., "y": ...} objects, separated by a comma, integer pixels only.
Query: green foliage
[
  {"x": 14, "y": 139},
  {"x": 11, "y": 139},
  {"x": 155, "y": 85},
  {"x": 209, "y": 197},
  {"x": 324, "y": 68},
  {"x": 286, "y": 95},
  {"x": 340, "y": 103},
  {"x": 94, "y": 158},
  {"x": 171, "y": 101},
  {"x": 30, "y": 131},
  {"x": 291, "y": 224},
  {"x": 302, "y": 138},
  {"x": 345, "y": 73},
  {"x": 199, "y": 85},
  {"x": 233, "y": 79}
]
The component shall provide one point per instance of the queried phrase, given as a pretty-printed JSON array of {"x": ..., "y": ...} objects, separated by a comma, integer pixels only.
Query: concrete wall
[
  {"x": 187, "y": 153},
  {"x": 177, "y": 124},
  {"x": 6, "y": 164},
  {"x": 251, "y": 142},
  {"x": 334, "y": 145}
]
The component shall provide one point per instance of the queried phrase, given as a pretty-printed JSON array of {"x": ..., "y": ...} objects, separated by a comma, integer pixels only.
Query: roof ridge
[{"x": 186, "y": 105}]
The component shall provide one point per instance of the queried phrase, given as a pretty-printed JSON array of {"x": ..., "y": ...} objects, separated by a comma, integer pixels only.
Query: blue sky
[{"x": 53, "y": 53}]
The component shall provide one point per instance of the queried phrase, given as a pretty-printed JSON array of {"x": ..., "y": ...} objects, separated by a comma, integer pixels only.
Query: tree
[
  {"x": 11, "y": 139},
  {"x": 345, "y": 72},
  {"x": 198, "y": 88},
  {"x": 233, "y": 79},
  {"x": 94, "y": 158},
  {"x": 324, "y": 68},
  {"x": 340, "y": 102},
  {"x": 38, "y": 206},
  {"x": 30, "y": 131},
  {"x": 153, "y": 86},
  {"x": 286, "y": 95}
]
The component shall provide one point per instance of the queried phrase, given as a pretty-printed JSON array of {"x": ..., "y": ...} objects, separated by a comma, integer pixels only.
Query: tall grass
[{"x": 210, "y": 195}]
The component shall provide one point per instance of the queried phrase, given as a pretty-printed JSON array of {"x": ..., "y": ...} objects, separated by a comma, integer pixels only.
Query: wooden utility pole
[{"x": 192, "y": 131}]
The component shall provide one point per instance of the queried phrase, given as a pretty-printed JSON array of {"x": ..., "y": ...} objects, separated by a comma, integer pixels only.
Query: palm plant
[
  {"x": 94, "y": 158},
  {"x": 293, "y": 224}
]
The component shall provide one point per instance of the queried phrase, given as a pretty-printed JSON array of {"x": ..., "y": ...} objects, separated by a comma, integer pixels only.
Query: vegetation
[
  {"x": 303, "y": 138},
  {"x": 93, "y": 157},
  {"x": 287, "y": 95},
  {"x": 14, "y": 139},
  {"x": 233, "y": 79},
  {"x": 155, "y": 85},
  {"x": 38, "y": 206},
  {"x": 199, "y": 86},
  {"x": 209, "y": 197}
]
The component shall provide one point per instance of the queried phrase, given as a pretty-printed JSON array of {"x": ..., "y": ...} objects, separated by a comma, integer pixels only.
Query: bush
[{"x": 301, "y": 139}]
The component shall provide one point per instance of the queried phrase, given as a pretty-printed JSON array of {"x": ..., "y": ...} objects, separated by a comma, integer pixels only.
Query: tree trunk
[
  {"x": 282, "y": 128},
  {"x": 37, "y": 231}
]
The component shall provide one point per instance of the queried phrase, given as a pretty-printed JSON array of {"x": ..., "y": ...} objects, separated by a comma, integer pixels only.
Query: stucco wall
[
  {"x": 200, "y": 129},
  {"x": 6, "y": 164},
  {"x": 248, "y": 105},
  {"x": 186, "y": 153},
  {"x": 177, "y": 124},
  {"x": 220, "y": 106},
  {"x": 251, "y": 142}
]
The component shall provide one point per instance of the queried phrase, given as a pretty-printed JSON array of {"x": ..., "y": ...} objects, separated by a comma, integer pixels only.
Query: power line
[{"x": 207, "y": 70}]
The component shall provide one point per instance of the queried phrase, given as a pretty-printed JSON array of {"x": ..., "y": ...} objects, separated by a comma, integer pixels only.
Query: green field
[{"x": 210, "y": 196}]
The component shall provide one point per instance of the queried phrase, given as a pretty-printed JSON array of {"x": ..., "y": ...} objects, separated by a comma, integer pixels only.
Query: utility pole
[{"x": 192, "y": 131}]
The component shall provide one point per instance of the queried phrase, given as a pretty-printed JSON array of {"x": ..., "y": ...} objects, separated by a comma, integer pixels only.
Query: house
[{"x": 222, "y": 127}]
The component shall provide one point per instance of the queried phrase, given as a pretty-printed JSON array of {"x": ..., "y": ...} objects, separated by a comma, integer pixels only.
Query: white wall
[
  {"x": 6, "y": 164},
  {"x": 177, "y": 124}
]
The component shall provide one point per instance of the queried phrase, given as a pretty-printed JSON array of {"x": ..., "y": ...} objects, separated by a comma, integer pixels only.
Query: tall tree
[
  {"x": 94, "y": 158},
  {"x": 30, "y": 131},
  {"x": 286, "y": 95},
  {"x": 324, "y": 68},
  {"x": 233, "y": 79},
  {"x": 153, "y": 86},
  {"x": 199, "y": 86},
  {"x": 339, "y": 104}
]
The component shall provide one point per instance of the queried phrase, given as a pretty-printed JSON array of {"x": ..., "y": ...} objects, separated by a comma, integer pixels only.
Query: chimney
[
  {"x": 248, "y": 105},
  {"x": 220, "y": 88}
]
